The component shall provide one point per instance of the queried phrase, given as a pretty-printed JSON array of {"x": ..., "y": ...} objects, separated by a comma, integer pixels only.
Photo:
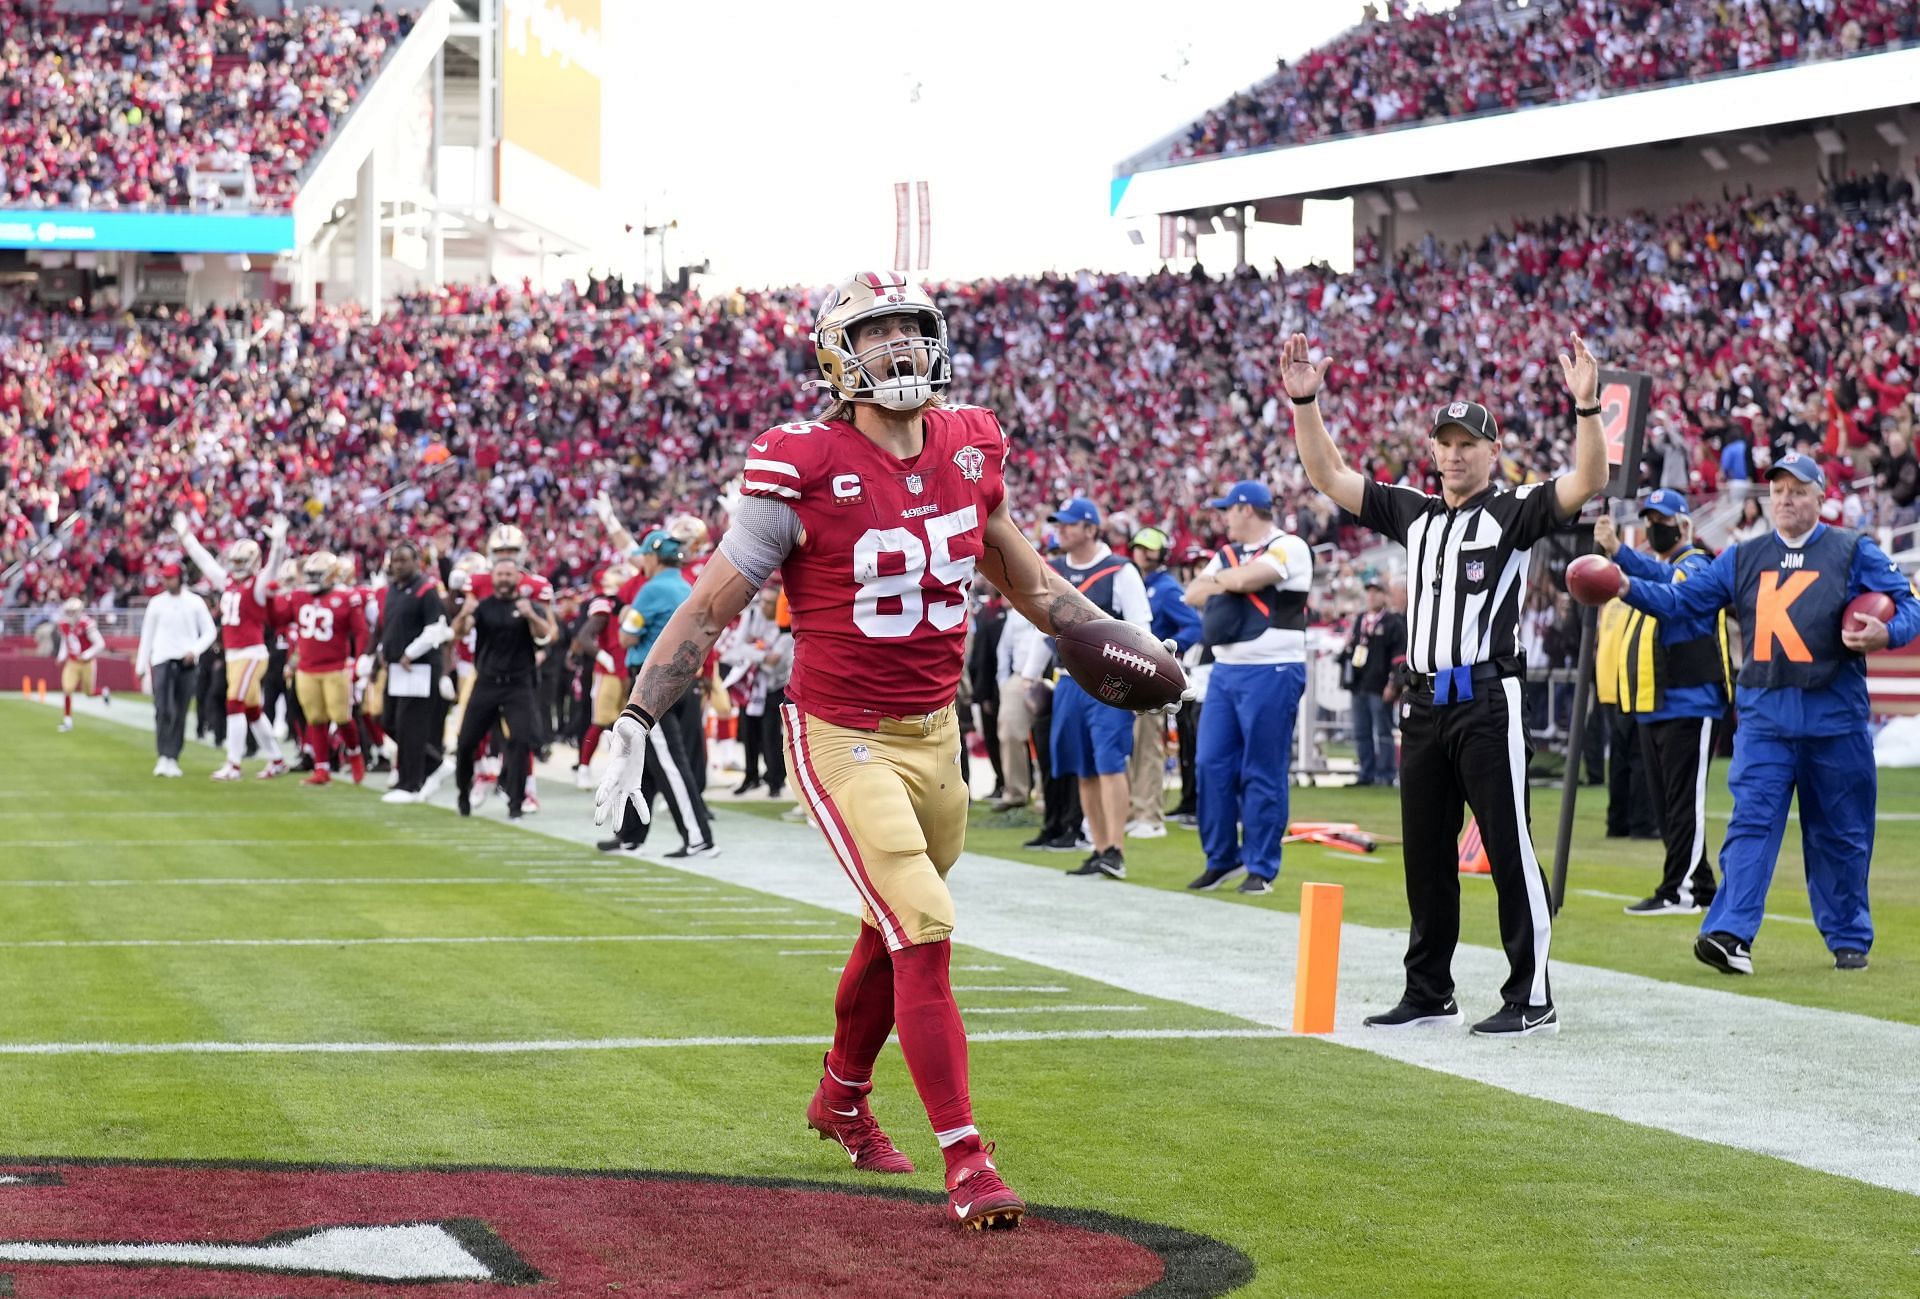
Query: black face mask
[{"x": 1664, "y": 536}]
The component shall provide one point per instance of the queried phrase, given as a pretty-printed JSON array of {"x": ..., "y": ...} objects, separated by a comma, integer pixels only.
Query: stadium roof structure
[{"x": 1760, "y": 103}]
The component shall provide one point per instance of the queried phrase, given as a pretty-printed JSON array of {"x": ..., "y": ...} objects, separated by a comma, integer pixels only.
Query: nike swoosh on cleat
[
  {"x": 961, "y": 1210},
  {"x": 1534, "y": 1023},
  {"x": 845, "y": 1114}
]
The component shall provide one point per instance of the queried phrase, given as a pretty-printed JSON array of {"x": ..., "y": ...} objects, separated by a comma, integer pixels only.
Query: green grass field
[{"x": 1335, "y": 1171}]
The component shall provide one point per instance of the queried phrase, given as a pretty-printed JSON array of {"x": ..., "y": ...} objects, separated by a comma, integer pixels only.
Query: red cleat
[
  {"x": 980, "y": 1200},
  {"x": 358, "y": 761},
  {"x": 319, "y": 776},
  {"x": 858, "y": 1134}
]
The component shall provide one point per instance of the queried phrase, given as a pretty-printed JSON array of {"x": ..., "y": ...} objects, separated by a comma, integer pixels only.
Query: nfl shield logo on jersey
[
  {"x": 914, "y": 484},
  {"x": 972, "y": 462},
  {"x": 1476, "y": 570}
]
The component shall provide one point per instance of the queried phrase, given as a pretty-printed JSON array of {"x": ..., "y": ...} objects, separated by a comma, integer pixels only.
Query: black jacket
[{"x": 410, "y": 610}]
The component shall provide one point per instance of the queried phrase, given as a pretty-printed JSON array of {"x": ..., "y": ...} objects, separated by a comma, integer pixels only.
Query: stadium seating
[
  {"x": 1408, "y": 65},
  {"x": 174, "y": 108},
  {"x": 1768, "y": 318}
]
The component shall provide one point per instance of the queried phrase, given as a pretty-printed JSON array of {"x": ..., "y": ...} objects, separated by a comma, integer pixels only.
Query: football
[
  {"x": 1875, "y": 604},
  {"x": 1121, "y": 664},
  {"x": 1593, "y": 579}
]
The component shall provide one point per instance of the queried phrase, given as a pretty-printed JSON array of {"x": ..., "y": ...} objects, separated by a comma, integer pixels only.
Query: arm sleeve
[
  {"x": 1642, "y": 567},
  {"x": 1702, "y": 593},
  {"x": 762, "y": 533},
  {"x": 436, "y": 634},
  {"x": 1388, "y": 510},
  {"x": 263, "y": 580},
  {"x": 1130, "y": 597},
  {"x": 202, "y": 559},
  {"x": 1874, "y": 571}
]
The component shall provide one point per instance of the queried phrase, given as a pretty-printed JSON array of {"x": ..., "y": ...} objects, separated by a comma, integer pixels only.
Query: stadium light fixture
[
  {"x": 1890, "y": 132},
  {"x": 1714, "y": 158},
  {"x": 1830, "y": 141},
  {"x": 1755, "y": 153}
]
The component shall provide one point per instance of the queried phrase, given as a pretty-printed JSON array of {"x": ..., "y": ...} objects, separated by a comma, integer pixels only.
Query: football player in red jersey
[
  {"x": 598, "y": 640},
  {"x": 245, "y": 585},
  {"x": 878, "y": 515},
  {"x": 330, "y": 629},
  {"x": 80, "y": 643}
]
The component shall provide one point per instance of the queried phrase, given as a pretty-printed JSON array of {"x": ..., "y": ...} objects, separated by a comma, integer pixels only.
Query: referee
[{"x": 1463, "y": 738}]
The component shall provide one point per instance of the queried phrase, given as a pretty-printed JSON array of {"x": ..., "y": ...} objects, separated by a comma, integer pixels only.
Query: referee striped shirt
[{"x": 1467, "y": 567}]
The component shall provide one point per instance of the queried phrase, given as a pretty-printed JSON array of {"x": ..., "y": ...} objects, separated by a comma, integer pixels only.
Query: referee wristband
[
  {"x": 1584, "y": 411},
  {"x": 638, "y": 714},
  {"x": 1307, "y": 400}
]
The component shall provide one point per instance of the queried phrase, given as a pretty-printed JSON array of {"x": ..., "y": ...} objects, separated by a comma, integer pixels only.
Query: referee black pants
[
  {"x": 1470, "y": 754},
  {"x": 1678, "y": 753},
  {"x": 669, "y": 771},
  {"x": 508, "y": 699}
]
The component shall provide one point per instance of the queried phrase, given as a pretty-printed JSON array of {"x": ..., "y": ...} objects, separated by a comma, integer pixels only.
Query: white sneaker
[
  {"x": 399, "y": 796},
  {"x": 393, "y": 779},
  {"x": 583, "y": 777},
  {"x": 228, "y": 771},
  {"x": 483, "y": 787},
  {"x": 275, "y": 767},
  {"x": 1142, "y": 830},
  {"x": 530, "y": 804},
  {"x": 435, "y": 779},
  {"x": 66, "y": 724},
  {"x": 173, "y": 769},
  {"x": 159, "y": 766}
]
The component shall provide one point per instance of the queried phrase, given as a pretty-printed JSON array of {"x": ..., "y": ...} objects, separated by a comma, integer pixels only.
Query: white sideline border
[{"x": 1745, "y": 1072}]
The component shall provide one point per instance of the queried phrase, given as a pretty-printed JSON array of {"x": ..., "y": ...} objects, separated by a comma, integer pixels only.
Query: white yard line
[
  {"x": 1010, "y": 987},
  {"x": 1628, "y": 897},
  {"x": 271, "y": 881},
  {"x": 1050, "y": 1009},
  {"x": 1825, "y": 1089},
  {"x": 600, "y": 1043}
]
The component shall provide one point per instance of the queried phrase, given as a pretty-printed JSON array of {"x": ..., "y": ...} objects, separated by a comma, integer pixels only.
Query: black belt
[
  {"x": 1483, "y": 674},
  {"x": 507, "y": 678}
]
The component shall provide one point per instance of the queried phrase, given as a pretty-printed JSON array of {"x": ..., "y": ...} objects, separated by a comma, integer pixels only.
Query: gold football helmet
[
  {"x": 243, "y": 558},
  {"x": 903, "y": 373},
  {"x": 690, "y": 530},
  {"x": 615, "y": 576},
  {"x": 316, "y": 570},
  {"x": 506, "y": 542}
]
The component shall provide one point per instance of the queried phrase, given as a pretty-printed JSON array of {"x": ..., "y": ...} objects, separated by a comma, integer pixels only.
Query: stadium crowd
[
  {"x": 122, "y": 109},
  {"x": 1408, "y": 65},
  {"x": 1769, "y": 323}
]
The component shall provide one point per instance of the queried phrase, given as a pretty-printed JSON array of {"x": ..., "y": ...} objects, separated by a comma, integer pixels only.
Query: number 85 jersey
[{"x": 879, "y": 579}]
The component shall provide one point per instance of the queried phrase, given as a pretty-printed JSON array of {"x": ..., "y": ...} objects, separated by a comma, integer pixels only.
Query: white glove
[
  {"x": 277, "y": 529},
  {"x": 363, "y": 668},
  {"x": 627, "y": 741},
  {"x": 181, "y": 524},
  {"x": 603, "y": 509},
  {"x": 604, "y": 661},
  {"x": 446, "y": 687},
  {"x": 1173, "y": 647}
]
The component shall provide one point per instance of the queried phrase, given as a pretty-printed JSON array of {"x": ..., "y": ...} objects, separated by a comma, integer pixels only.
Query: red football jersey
[
  {"x": 79, "y": 638},
  {"x": 608, "y": 641},
  {"x": 246, "y": 613},
  {"x": 878, "y": 584},
  {"x": 535, "y": 587},
  {"x": 331, "y": 627}
]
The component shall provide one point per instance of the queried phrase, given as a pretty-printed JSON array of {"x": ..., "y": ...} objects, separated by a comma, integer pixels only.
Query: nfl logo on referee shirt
[
  {"x": 914, "y": 484},
  {"x": 1476, "y": 570}
]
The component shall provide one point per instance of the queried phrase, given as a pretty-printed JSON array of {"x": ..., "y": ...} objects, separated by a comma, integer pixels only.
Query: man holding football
[{"x": 878, "y": 514}]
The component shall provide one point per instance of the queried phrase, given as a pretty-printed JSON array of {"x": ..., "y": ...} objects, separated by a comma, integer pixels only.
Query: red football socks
[
  {"x": 931, "y": 1035},
  {"x": 69, "y": 705},
  {"x": 321, "y": 744},
  {"x": 862, "y": 1017},
  {"x": 590, "y": 745}
]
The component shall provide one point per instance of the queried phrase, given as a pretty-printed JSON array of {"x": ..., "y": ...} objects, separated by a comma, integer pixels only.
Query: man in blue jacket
[
  {"x": 1803, "y": 712},
  {"x": 1672, "y": 679},
  {"x": 1173, "y": 621}
]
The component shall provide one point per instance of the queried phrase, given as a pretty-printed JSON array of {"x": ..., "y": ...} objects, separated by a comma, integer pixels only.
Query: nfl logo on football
[
  {"x": 1476, "y": 569},
  {"x": 1113, "y": 689},
  {"x": 914, "y": 484}
]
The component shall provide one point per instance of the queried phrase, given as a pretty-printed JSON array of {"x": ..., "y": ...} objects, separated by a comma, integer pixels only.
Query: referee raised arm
[{"x": 1463, "y": 739}]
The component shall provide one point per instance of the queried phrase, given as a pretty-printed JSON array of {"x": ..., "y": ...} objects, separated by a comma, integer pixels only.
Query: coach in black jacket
[
  {"x": 412, "y": 627},
  {"x": 1379, "y": 648}
]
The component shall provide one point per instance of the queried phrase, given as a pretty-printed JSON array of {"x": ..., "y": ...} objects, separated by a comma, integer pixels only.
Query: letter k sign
[{"x": 1773, "y": 617}]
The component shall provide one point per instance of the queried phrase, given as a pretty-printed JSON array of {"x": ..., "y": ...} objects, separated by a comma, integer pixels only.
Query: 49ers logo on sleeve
[{"x": 265, "y": 1231}]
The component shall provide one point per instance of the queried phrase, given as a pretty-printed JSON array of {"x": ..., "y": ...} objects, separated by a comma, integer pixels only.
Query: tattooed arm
[
  {"x": 674, "y": 662},
  {"x": 1042, "y": 596}
]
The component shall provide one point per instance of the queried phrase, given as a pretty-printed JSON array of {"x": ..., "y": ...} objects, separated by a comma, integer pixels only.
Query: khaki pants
[
  {"x": 76, "y": 677},
  {"x": 1015, "y": 728},
  {"x": 1147, "y": 770},
  {"x": 894, "y": 810},
  {"x": 324, "y": 696}
]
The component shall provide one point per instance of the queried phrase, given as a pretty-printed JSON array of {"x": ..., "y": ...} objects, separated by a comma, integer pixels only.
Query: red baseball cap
[{"x": 169, "y": 570}]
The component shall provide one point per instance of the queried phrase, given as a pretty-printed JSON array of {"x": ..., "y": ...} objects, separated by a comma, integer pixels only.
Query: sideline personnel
[
  {"x": 1804, "y": 713},
  {"x": 1463, "y": 734},
  {"x": 1671, "y": 678}
]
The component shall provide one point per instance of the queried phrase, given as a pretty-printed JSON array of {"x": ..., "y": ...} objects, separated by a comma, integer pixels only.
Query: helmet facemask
[{"x": 904, "y": 373}]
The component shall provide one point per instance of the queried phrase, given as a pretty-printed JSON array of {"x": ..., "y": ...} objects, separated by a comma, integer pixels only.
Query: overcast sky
[{"x": 774, "y": 134}]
